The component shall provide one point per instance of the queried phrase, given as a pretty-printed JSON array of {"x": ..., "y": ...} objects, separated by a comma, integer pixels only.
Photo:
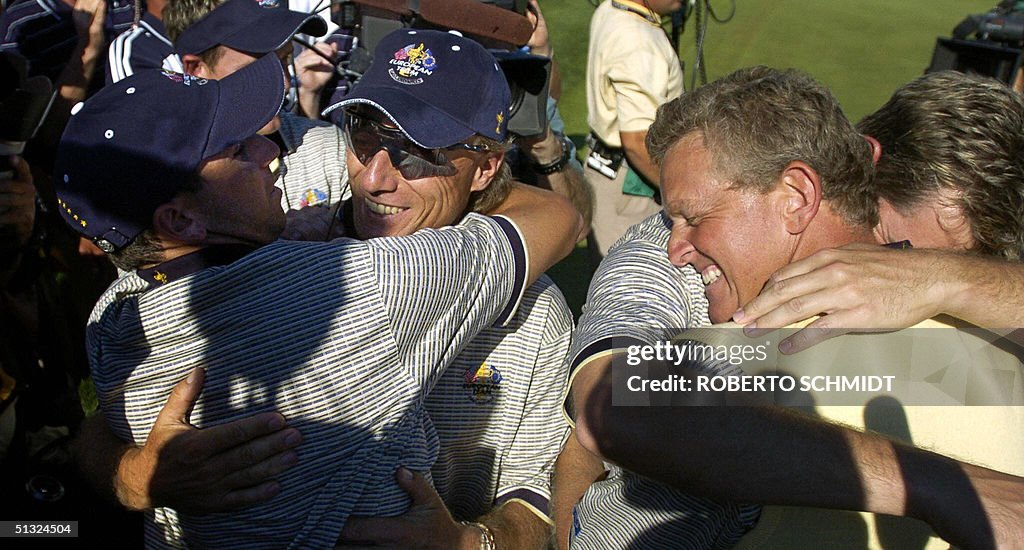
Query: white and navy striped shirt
[
  {"x": 313, "y": 169},
  {"x": 344, "y": 338},
  {"x": 638, "y": 297},
  {"x": 497, "y": 410}
]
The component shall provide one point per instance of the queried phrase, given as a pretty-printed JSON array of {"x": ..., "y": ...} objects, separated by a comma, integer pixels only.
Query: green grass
[{"x": 862, "y": 49}]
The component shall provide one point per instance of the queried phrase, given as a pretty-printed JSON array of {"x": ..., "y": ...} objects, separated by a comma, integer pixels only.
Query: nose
[
  {"x": 680, "y": 249},
  {"x": 379, "y": 175},
  {"x": 261, "y": 150}
]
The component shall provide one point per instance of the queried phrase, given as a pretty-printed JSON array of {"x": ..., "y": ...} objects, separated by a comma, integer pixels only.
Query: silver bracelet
[{"x": 486, "y": 536}]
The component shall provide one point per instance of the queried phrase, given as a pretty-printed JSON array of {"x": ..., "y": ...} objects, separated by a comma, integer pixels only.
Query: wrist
[
  {"x": 126, "y": 482},
  {"x": 556, "y": 157},
  {"x": 476, "y": 536}
]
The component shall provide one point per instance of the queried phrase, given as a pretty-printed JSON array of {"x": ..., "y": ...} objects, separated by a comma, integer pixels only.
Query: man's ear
[
  {"x": 800, "y": 193},
  {"x": 876, "y": 149},
  {"x": 175, "y": 221},
  {"x": 194, "y": 66},
  {"x": 486, "y": 170}
]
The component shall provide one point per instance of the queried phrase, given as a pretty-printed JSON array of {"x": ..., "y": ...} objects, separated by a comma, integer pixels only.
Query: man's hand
[
  {"x": 88, "y": 17},
  {"x": 862, "y": 288},
  {"x": 540, "y": 40},
  {"x": 18, "y": 203},
  {"x": 427, "y": 524},
  {"x": 215, "y": 469},
  {"x": 313, "y": 72}
]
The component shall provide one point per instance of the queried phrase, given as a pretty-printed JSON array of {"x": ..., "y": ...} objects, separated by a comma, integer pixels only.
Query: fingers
[
  {"x": 783, "y": 303},
  {"x": 22, "y": 176},
  {"x": 257, "y": 459},
  {"x": 370, "y": 531},
  {"x": 183, "y": 398},
  {"x": 417, "y": 487},
  {"x": 813, "y": 334},
  {"x": 250, "y": 496},
  {"x": 248, "y": 431}
]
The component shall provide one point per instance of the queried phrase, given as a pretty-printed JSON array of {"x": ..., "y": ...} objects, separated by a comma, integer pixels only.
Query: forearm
[
  {"x": 98, "y": 453},
  {"x": 746, "y": 454},
  {"x": 309, "y": 103},
  {"x": 516, "y": 527},
  {"x": 72, "y": 87},
  {"x": 568, "y": 181},
  {"x": 983, "y": 291},
  {"x": 636, "y": 155},
  {"x": 575, "y": 470},
  {"x": 769, "y": 455},
  {"x": 549, "y": 223}
]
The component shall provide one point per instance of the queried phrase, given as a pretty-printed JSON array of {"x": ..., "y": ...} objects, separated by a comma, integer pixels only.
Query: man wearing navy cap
[
  {"x": 343, "y": 338},
  {"x": 216, "y": 39}
]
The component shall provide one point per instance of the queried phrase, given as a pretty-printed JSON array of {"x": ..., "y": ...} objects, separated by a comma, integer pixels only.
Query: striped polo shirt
[
  {"x": 344, "y": 338},
  {"x": 638, "y": 297},
  {"x": 497, "y": 410},
  {"x": 500, "y": 429},
  {"x": 313, "y": 170}
]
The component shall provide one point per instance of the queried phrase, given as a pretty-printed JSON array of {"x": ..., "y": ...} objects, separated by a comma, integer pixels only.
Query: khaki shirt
[{"x": 631, "y": 70}]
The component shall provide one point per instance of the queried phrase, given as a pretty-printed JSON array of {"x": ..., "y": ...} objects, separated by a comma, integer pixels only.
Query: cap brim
[
  {"x": 269, "y": 33},
  {"x": 425, "y": 124},
  {"x": 249, "y": 99}
]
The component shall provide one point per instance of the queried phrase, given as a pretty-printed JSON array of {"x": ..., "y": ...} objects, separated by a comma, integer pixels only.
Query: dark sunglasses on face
[{"x": 365, "y": 136}]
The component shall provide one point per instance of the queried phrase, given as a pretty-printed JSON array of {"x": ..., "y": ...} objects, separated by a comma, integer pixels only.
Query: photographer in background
[{"x": 631, "y": 70}]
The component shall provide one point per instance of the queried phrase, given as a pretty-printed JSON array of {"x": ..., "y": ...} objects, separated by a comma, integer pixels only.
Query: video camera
[
  {"x": 499, "y": 25},
  {"x": 989, "y": 44},
  {"x": 24, "y": 102}
]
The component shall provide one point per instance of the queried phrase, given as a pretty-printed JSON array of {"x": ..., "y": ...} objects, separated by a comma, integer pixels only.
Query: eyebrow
[{"x": 684, "y": 205}]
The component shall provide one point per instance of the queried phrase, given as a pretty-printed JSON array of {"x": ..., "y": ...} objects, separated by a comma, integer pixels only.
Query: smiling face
[
  {"x": 386, "y": 204},
  {"x": 732, "y": 237}
]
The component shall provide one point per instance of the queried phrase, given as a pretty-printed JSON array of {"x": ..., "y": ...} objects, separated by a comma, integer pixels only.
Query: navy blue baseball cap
[
  {"x": 253, "y": 26},
  {"x": 438, "y": 87},
  {"x": 136, "y": 143}
]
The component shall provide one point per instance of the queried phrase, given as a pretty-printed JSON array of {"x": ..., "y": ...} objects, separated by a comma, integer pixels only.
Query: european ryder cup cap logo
[{"x": 411, "y": 63}]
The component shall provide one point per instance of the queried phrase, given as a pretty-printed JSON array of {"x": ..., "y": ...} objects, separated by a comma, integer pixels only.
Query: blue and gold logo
[
  {"x": 411, "y": 63},
  {"x": 483, "y": 382}
]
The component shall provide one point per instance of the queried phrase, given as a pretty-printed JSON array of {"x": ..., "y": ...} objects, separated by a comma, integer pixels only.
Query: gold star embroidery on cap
[{"x": 500, "y": 117}]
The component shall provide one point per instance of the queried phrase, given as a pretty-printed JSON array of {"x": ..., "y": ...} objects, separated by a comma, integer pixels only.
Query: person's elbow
[{"x": 599, "y": 429}]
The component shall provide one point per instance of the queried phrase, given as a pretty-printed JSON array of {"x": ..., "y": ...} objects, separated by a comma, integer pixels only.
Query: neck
[
  {"x": 156, "y": 8},
  {"x": 172, "y": 250},
  {"x": 829, "y": 230},
  {"x": 638, "y": 8}
]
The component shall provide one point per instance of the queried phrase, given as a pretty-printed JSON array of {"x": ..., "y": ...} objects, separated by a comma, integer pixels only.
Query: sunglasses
[{"x": 365, "y": 136}]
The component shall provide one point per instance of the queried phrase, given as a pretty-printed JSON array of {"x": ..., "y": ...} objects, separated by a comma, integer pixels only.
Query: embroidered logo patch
[
  {"x": 411, "y": 63},
  {"x": 268, "y": 3},
  {"x": 483, "y": 383},
  {"x": 313, "y": 197}
]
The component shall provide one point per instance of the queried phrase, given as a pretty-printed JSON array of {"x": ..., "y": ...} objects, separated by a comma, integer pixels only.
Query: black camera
[
  {"x": 24, "y": 103},
  {"x": 497, "y": 24},
  {"x": 989, "y": 44}
]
